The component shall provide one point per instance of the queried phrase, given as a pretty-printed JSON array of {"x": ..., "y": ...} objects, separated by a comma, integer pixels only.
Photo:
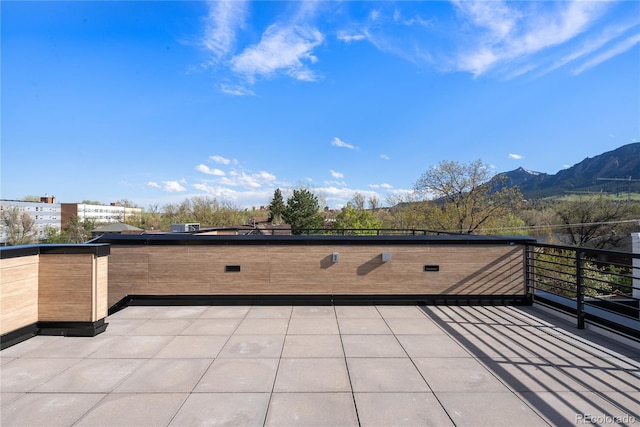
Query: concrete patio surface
[{"x": 323, "y": 366}]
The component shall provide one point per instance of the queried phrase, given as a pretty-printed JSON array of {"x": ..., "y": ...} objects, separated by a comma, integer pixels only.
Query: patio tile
[
  {"x": 313, "y": 311},
  {"x": 23, "y": 375},
  {"x": 139, "y": 312},
  {"x": 401, "y": 312},
  {"x": 270, "y": 312},
  {"x": 47, "y": 409},
  {"x": 223, "y": 409},
  {"x": 161, "y": 327},
  {"x": 322, "y": 326},
  {"x": 211, "y": 326},
  {"x": 91, "y": 376},
  {"x": 312, "y": 346},
  {"x": 71, "y": 347},
  {"x": 357, "y": 312},
  {"x": 457, "y": 374},
  {"x": 492, "y": 347},
  {"x": 122, "y": 326},
  {"x": 431, "y": 346},
  {"x": 133, "y": 347},
  {"x": 372, "y": 346},
  {"x": 165, "y": 376},
  {"x": 385, "y": 375},
  {"x": 312, "y": 409},
  {"x": 199, "y": 346},
  {"x": 312, "y": 375},
  {"x": 363, "y": 326},
  {"x": 262, "y": 326},
  {"x": 252, "y": 346},
  {"x": 139, "y": 409},
  {"x": 579, "y": 408},
  {"x": 418, "y": 326},
  {"x": 231, "y": 312},
  {"x": 239, "y": 375},
  {"x": 531, "y": 374},
  {"x": 6, "y": 398},
  {"x": 181, "y": 312},
  {"x": 400, "y": 409},
  {"x": 488, "y": 409},
  {"x": 28, "y": 346}
]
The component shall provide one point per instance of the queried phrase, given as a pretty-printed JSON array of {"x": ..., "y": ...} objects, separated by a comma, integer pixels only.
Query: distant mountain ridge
[{"x": 612, "y": 172}]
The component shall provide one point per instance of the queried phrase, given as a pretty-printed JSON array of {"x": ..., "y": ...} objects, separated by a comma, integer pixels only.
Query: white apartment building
[
  {"x": 46, "y": 213},
  {"x": 99, "y": 213}
]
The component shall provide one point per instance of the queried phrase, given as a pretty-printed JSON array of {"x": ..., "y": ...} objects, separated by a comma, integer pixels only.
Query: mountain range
[{"x": 616, "y": 171}]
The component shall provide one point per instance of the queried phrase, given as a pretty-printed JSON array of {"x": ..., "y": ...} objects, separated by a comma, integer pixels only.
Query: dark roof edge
[
  {"x": 188, "y": 239},
  {"x": 98, "y": 249}
]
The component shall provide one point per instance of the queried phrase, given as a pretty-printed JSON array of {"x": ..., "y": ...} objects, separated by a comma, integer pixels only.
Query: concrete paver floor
[{"x": 323, "y": 366}]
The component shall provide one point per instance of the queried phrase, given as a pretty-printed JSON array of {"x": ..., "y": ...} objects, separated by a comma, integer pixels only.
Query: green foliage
[
  {"x": 556, "y": 272},
  {"x": 78, "y": 230},
  {"x": 594, "y": 221},
  {"x": 464, "y": 198},
  {"x": 357, "y": 219},
  {"x": 18, "y": 226},
  {"x": 209, "y": 212},
  {"x": 276, "y": 207},
  {"x": 303, "y": 211}
]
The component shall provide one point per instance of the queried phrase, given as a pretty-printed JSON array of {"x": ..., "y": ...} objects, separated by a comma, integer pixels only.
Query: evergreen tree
[
  {"x": 303, "y": 211},
  {"x": 276, "y": 207}
]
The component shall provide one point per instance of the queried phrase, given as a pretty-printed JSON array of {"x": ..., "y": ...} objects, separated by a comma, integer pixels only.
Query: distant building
[
  {"x": 49, "y": 214},
  {"x": 46, "y": 213},
  {"x": 99, "y": 213}
]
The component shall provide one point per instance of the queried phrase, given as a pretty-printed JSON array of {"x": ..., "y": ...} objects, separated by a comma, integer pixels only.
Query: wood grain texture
[
  {"x": 308, "y": 269},
  {"x": 18, "y": 292}
]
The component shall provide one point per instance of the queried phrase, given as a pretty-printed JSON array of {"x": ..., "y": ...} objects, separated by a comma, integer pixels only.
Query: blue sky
[{"x": 159, "y": 101}]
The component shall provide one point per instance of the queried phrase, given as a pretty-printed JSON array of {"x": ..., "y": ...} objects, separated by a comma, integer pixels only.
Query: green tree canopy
[
  {"x": 357, "y": 219},
  {"x": 18, "y": 226},
  {"x": 464, "y": 198},
  {"x": 303, "y": 211},
  {"x": 276, "y": 207}
]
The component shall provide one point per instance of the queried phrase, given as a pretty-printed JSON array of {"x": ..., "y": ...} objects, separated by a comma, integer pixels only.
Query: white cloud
[
  {"x": 350, "y": 37},
  {"x": 514, "y": 30},
  {"x": 173, "y": 186},
  {"x": 619, "y": 48},
  {"x": 225, "y": 18},
  {"x": 236, "y": 90},
  {"x": 220, "y": 160},
  {"x": 336, "y": 174},
  {"x": 384, "y": 186},
  {"x": 242, "y": 179},
  {"x": 206, "y": 169},
  {"x": 153, "y": 184},
  {"x": 281, "y": 49},
  {"x": 340, "y": 143},
  {"x": 384, "y": 157},
  {"x": 516, "y": 156}
]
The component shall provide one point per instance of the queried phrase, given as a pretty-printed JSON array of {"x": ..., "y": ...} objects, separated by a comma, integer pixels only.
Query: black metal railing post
[
  {"x": 528, "y": 271},
  {"x": 580, "y": 289}
]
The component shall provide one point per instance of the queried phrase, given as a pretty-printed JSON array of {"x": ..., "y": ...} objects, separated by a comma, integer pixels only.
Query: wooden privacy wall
[
  {"x": 308, "y": 269},
  {"x": 72, "y": 288},
  {"x": 18, "y": 293}
]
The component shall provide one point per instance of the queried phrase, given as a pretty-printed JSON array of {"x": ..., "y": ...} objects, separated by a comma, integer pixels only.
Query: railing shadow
[{"x": 537, "y": 358}]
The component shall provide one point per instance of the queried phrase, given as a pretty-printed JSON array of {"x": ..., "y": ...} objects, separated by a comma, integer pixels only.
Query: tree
[
  {"x": 276, "y": 207},
  {"x": 464, "y": 197},
  {"x": 77, "y": 230},
  {"x": 18, "y": 227},
  {"x": 594, "y": 221},
  {"x": 303, "y": 211},
  {"x": 356, "y": 219}
]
